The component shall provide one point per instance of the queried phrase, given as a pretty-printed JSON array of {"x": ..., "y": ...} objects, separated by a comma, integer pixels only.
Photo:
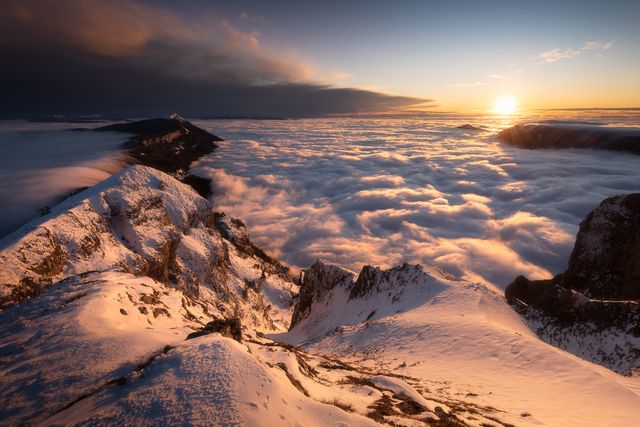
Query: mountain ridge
[{"x": 109, "y": 307}]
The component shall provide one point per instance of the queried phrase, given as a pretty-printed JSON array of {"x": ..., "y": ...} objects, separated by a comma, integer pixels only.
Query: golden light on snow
[{"x": 505, "y": 105}]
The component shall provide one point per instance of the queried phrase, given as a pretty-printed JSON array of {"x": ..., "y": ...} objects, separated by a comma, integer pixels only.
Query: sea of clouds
[
  {"x": 388, "y": 191},
  {"x": 41, "y": 163}
]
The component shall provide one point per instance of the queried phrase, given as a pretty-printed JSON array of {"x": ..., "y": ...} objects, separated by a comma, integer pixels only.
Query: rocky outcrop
[
  {"x": 169, "y": 145},
  {"x": 144, "y": 222},
  {"x": 234, "y": 230},
  {"x": 315, "y": 287},
  {"x": 468, "y": 126},
  {"x": 231, "y": 328},
  {"x": 599, "y": 294},
  {"x": 605, "y": 262},
  {"x": 572, "y": 135},
  {"x": 327, "y": 290}
]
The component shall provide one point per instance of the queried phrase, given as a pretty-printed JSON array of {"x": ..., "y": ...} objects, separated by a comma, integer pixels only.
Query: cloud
[
  {"x": 602, "y": 47},
  {"x": 254, "y": 19},
  {"x": 383, "y": 192},
  {"x": 124, "y": 57},
  {"x": 38, "y": 168},
  {"x": 557, "y": 54}
]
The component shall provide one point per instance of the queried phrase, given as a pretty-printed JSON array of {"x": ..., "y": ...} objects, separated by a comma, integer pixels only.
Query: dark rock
[
  {"x": 316, "y": 282},
  {"x": 367, "y": 280},
  {"x": 373, "y": 280},
  {"x": 468, "y": 126},
  {"x": 144, "y": 128},
  {"x": 231, "y": 328},
  {"x": 525, "y": 290},
  {"x": 599, "y": 294},
  {"x": 605, "y": 262},
  {"x": 201, "y": 185},
  {"x": 409, "y": 406},
  {"x": 235, "y": 231},
  {"x": 169, "y": 145},
  {"x": 572, "y": 135}
]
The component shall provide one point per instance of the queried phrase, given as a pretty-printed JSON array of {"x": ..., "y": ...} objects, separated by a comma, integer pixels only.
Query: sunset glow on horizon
[
  {"x": 279, "y": 59},
  {"x": 505, "y": 105}
]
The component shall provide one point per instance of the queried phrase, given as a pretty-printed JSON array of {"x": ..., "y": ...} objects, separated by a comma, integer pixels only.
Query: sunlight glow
[{"x": 505, "y": 105}]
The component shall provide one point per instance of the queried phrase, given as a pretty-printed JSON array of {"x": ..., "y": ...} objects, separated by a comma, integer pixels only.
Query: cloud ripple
[{"x": 357, "y": 191}]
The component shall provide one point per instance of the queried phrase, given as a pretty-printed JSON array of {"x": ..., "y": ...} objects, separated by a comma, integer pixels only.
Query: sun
[{"x": 505, "y": 105}]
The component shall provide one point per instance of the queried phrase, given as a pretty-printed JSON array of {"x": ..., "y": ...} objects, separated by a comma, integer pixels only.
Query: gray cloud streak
[{"x": 120, "y": 57}]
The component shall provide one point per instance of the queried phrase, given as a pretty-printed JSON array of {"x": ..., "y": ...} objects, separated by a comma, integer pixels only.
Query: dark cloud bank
[{"x": 124, "y": 58}]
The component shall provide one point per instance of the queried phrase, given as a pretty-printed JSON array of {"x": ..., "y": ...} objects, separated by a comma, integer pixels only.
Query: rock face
[
  {"x": 317, "y": 283},
  {"x": 142, "y": 221},
  {"x": 328, "y": 294},
  {"x": 572, "y": 135},
  {"x": 231, "y": 328},
  {"x": 605, "y": 262},
  {"x": 599, "y": 294},
  {"x": 169, "y": 145}
]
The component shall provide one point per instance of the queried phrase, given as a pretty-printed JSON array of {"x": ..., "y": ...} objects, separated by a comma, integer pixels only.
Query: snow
[
  {"x": 461, "y": 339},
  {"x": 219, "y": 383},
  {"x": 111, "y": 294},
  {"x": 74, "y": 337},
  {"x": 130, "y": 267},
  {"x": 145, "y": 222}
]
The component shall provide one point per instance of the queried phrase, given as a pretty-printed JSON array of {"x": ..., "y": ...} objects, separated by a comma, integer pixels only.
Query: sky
[{"x": 315, "y": 58}]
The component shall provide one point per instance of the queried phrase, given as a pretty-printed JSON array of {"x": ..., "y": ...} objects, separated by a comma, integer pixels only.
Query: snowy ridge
[
  {"x": 144, "y": 222},
  {"x": 461, "y": 345},
  {"x": 342, "y": 299},
  {"x": 113, "y": 276}
]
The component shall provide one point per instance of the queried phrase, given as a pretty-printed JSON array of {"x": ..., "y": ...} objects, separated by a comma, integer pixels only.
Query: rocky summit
[
  {"x": 599, "y": 293},
  {"x": 169, "y": 145}
]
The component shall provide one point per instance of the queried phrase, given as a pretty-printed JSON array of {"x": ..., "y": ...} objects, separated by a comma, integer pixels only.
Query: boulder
[{"x": 231, "y": 328}]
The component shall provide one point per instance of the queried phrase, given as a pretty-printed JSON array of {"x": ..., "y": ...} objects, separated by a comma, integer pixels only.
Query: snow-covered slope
[
  {"x": 83, "y": 333},
  {"x": 461, "y": 344},
  {"x": 144, "y": 222},
  {"x": 218, "y": 382},
  {"x": 114, "y": 275},
  {"x": 100, "y": 296}
]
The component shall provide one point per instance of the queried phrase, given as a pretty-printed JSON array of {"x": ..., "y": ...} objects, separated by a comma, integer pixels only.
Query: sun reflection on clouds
[{"x": 383, "y": 192}]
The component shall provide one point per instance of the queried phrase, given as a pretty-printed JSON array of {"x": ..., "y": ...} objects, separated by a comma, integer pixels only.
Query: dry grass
[{"x": 344, "y": 406}]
